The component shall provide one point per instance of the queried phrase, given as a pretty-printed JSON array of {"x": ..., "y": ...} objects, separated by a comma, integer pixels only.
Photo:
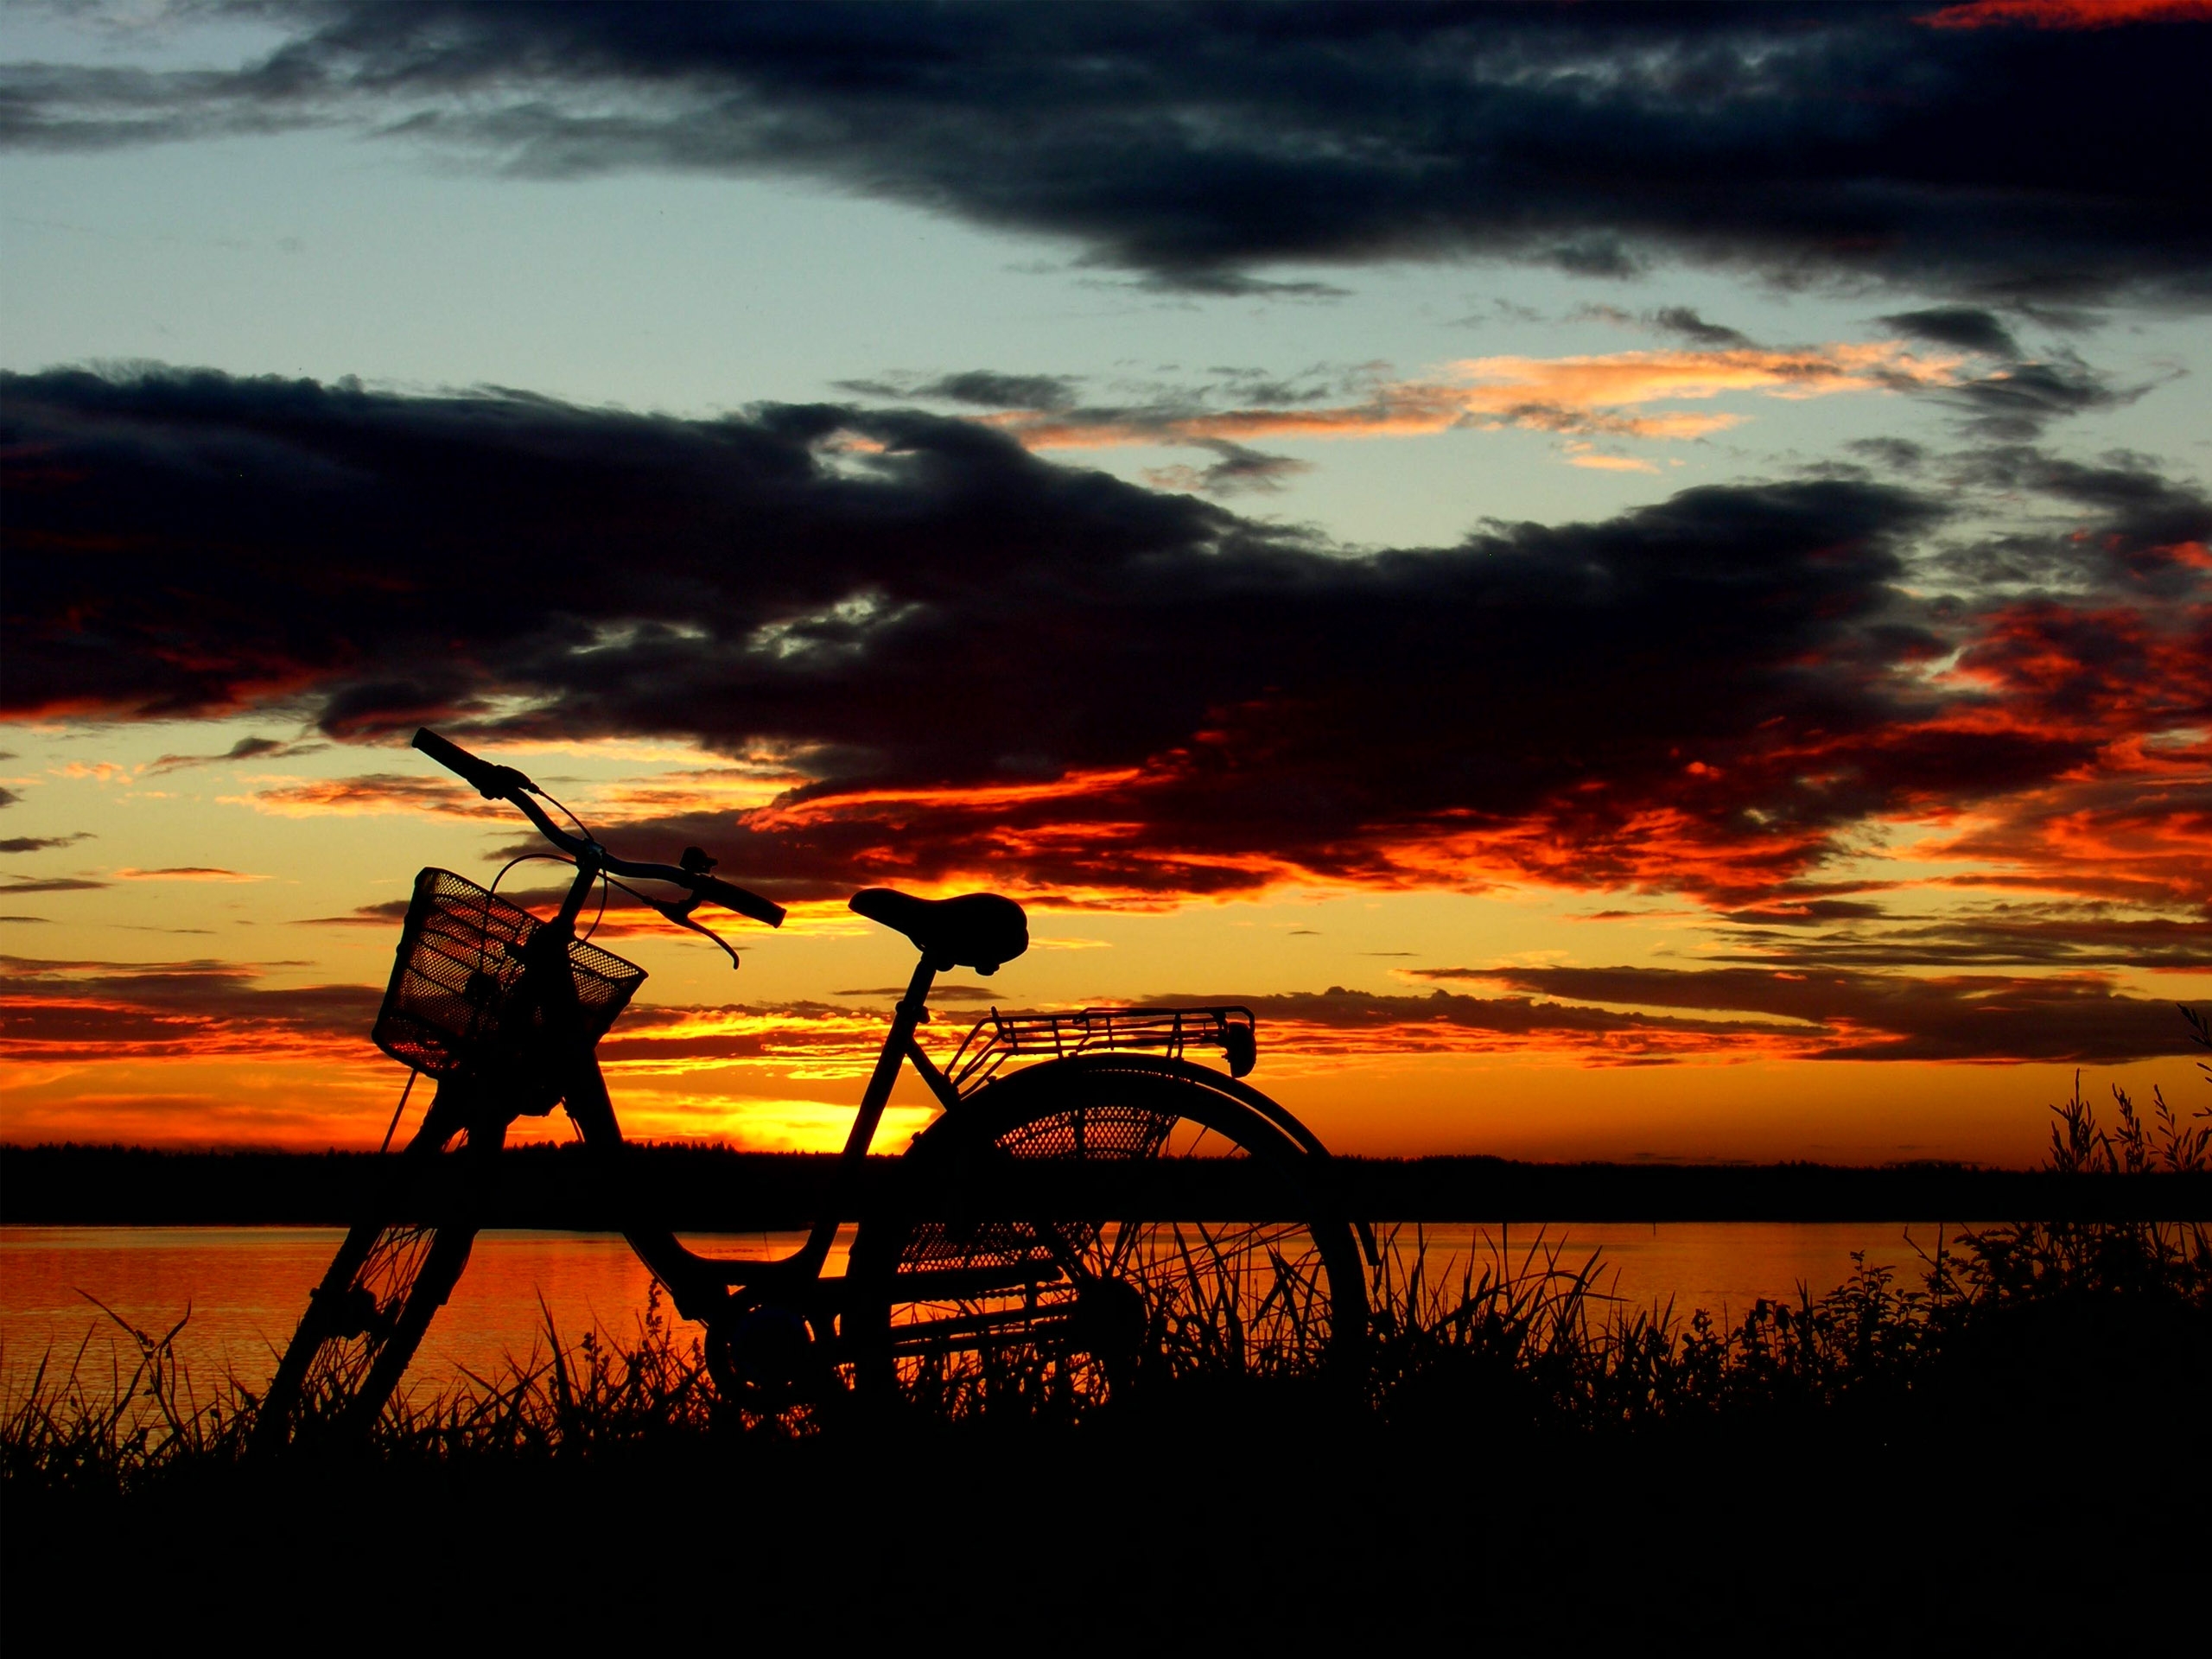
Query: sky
[{"x": 1633, "y": 580}]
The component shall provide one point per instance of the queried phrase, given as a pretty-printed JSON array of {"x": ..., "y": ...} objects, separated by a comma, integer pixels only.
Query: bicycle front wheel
[
  {"x": 1095, "y": 1225},
  {"x": 395, "y": 1270}
]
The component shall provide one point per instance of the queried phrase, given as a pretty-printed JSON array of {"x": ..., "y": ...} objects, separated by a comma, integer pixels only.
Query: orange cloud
[
  {"x": 1578, "y": 457},
  {"x": 695, "y": 789},
  {"x": 371, "y": 793},
  {"x": 1606, "y": 395},
  {"x": 792, "y": 814},
  {"x": 184, "y": 873},
  {"x": 805, "y": 1042}
]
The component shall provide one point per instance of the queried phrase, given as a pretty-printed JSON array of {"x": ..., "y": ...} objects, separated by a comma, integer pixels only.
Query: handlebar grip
[
  {"x": 737, "y": 898},
  {"x": 491, "y": 781}
]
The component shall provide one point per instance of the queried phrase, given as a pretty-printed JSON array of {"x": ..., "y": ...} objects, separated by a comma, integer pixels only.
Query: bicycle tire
[
  {"x": 1087, "y": 1146},
  {"x": 395, "y": 1269}
]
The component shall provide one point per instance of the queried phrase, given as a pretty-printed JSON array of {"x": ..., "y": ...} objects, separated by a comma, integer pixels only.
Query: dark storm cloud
[
  {"x": 1682, "y": 321},
  {"x": 246, "y": 749},
  {"x": 1236, "y": 470},
  {"x": 2014, "y": 400},
  {"x": 22, "y": 884},
  {"x": 1044, "y": 410},
  {"x": 388, "y": 913},
  {"x": 1896, "y": 455},
  {"x": 2014, "y": 403},
  {"x": 1192, "y": 144},
  {"x": 989, "y": 390},
  {"x": 894, "y": 601},
  {"x": 40, "y": 843},
  {"x": 2141, "y": 511},
  {"x": 990, "y": 665},
  {"x": 2127, "y": 529},
  {"x": 1849, "y": 1016},
  {"x": 976, "y": 388},
  {"x": 1967, "y": 327}
]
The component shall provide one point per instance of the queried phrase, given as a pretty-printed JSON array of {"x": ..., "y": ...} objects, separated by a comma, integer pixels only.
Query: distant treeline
[{"x": 708, "y": 1189}]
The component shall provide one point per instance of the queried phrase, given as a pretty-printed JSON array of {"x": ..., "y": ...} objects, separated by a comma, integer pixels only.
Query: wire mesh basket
[{"x": 454, "y": 1003}]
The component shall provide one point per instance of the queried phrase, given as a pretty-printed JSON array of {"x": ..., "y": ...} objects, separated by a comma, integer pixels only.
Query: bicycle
[{"x": 1092, "y": 1209}]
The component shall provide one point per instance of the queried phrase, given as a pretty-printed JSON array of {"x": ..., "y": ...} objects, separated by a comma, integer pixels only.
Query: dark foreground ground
[{"x": 1232, "y": 1534}]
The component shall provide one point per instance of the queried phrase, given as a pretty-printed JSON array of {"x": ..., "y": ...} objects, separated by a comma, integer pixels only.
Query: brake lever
[{"x": 681, "y": 915}]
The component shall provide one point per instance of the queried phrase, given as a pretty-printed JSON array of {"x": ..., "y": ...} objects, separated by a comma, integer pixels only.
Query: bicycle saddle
[{"x": 976, "y": 930}]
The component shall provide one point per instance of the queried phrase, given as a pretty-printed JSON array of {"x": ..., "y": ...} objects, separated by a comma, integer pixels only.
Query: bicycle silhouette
[{"x": 1091, "y": 1209}]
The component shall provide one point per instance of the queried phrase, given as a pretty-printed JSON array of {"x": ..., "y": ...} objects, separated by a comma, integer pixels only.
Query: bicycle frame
[
  {"x": 701, "y": 1286},
  {"x": 922, "y": 1282}
]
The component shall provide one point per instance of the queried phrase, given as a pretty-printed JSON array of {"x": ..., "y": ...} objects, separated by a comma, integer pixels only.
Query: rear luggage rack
[{"x": 997, "y": 1038}]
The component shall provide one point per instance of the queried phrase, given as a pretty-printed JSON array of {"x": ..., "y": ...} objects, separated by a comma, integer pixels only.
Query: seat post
[{"x": 912, "y": 1011}]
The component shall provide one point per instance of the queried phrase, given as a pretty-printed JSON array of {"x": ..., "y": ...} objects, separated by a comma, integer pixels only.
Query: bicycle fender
[
  {"x": 1005, "y": 1091},
  {"x": 1048, "y": 1074}
]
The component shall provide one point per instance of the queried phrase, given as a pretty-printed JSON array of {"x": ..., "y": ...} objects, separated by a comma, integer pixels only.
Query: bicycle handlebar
[
  {"x": 491, "y": 781},
  {"x": 498, "y": 782},
  {"x": 730, "y": 896}
]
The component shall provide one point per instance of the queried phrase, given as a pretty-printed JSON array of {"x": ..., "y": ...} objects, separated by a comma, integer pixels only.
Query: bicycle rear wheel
[
  {"x": 395, "y": 1270},
  {"x": 1092, "y": 1225}
]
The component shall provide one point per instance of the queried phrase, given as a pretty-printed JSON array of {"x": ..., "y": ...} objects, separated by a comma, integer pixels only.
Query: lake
[{"x": 244, "y": 1287}]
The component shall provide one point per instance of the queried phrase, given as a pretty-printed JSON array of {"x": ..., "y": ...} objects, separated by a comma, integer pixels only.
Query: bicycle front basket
[{"x": 454, "y": 1002}]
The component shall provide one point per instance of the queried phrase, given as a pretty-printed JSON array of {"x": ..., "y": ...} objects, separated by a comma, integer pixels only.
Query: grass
[{"x": 124, "y": 1416}]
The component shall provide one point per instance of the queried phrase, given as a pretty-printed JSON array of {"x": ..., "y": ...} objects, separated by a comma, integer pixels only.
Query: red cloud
[
  {"x": 2068, "y": 14},
  {"x": 118, "y": 1013}
]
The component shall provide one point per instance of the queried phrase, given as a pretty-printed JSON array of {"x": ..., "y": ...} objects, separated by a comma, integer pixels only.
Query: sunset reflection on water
[{"x": 244, "y": 1287}]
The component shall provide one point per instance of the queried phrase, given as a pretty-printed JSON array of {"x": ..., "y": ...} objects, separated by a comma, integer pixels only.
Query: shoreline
[{"x": 708, "y": 1190}]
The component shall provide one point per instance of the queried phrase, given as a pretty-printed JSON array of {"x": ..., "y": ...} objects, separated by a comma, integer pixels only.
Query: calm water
[{"x": 244, "y": 1287}]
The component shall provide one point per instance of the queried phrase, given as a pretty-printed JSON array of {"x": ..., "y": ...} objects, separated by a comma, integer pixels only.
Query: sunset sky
[{"x": 1634, "y": 580}]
